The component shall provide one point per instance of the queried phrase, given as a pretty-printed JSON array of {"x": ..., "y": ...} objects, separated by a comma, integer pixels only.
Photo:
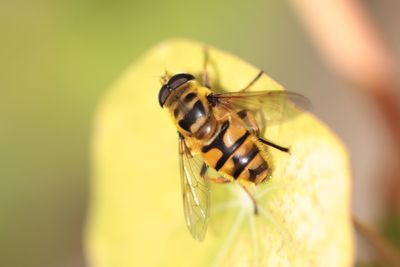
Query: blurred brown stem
[
  {"x": 350, "y": 43},
  {"x": 391, "y": 113},
  {"x": 386, "y": 253}
]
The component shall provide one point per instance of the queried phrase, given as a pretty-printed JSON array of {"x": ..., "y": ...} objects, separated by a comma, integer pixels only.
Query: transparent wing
[
  {"x": 195, "y": 191},
  {"x": 269, "y": 107}
]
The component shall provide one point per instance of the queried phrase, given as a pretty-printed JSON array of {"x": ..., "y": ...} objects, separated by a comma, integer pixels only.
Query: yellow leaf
[{"x": 136, "y": 215}]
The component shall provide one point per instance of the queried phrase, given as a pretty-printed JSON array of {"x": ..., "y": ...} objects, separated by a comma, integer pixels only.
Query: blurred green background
[{"x": 57, "y": 59}]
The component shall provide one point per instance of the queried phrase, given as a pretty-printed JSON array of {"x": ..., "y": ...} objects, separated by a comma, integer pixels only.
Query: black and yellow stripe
[
  {"x": 221, "y": 137},
  {"x": 234, "y": 153},
  {"x": 192, "y": 113}
]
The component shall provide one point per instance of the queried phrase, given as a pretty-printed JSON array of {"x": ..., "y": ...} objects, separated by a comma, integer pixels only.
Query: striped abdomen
[{"x": 233, "y": 152}]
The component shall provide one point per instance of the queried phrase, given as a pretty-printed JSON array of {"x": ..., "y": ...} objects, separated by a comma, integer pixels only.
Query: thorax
[{"x": 192, "y": 113}]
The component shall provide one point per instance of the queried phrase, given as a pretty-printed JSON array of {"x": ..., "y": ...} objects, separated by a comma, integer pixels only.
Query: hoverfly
[{"x": 221, "y": 131}]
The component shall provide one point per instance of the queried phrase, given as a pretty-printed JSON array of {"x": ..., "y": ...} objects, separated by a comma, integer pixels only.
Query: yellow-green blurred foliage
[{"x": 56, "y": 59}]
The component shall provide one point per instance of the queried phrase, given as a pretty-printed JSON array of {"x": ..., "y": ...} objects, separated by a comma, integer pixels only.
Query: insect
[{"x": 221, "y": 131}]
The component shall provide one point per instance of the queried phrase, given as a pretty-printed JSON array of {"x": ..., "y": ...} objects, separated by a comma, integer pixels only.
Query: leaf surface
[{"x": 135, "y": 213}]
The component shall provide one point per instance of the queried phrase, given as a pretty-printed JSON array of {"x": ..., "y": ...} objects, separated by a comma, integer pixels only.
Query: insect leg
[
  {"x": 250, "y": 121},
  {"x": 206, "y": 78},
  {"x": 253, "y": 81},
  {"x": 281, "y": 148},
  {"x": 203, "y": 170},
  {"x": 219, "y": 180},
  {"x": 252, "y": 199}
]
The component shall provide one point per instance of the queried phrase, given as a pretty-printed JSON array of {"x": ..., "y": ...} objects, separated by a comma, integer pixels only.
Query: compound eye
[
  {"x": 173, "y": 83},
  {"x": 163, "y": 95},
  {"x": 179, "y": 79}
]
